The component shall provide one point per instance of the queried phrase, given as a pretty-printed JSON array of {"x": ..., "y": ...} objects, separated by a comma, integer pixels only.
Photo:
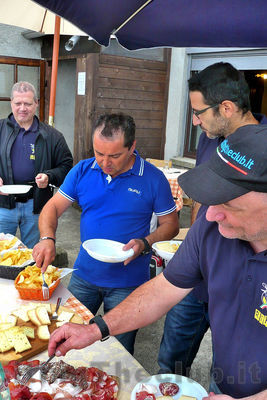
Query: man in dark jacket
[{"x": 30, "y": 152}]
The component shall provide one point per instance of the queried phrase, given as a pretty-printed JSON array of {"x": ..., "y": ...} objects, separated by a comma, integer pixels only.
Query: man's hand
[
  {"x": 44, "y": 253},
  {"x": 1, "y": 184},
  {"x": 72, "y": 336},
  {"x": 41, "y": 181},
  {"x": 137, "y": 245}
]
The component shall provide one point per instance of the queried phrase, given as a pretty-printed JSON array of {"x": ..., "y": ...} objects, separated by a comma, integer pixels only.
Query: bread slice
[
  {"x": 43, "y": 332},
  {"x": 21, "y": 313},
  {"x": 5, "y": 345},
  {"x": 65, "y": 316},
  {"x": 33, "y": 317},
  {"x": 42, "y": 315}
]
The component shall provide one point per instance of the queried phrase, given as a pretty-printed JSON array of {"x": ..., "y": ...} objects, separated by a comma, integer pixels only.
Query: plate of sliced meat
[
  {"x": 60, "y": 380},
  {"x": 168, "y": 386}
]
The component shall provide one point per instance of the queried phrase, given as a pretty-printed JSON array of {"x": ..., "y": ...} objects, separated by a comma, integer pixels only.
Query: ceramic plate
[
  {"x": 107, "y": 250},
  {"x": 15, "y": 189},
  {"x": 186, "y": 385},
  {"x": 166, "y": 255}
]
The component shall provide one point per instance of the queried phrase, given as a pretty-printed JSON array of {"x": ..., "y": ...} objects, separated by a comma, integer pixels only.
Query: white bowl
[
  {"x": 107, "y": 250},
  {"x": 166, "y": 255},
  {"x": 15, "y": 189},
  {"x": 187, "y": 386}
]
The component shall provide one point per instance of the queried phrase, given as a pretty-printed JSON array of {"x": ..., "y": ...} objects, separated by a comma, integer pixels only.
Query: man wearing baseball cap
[{"x": 227, "y": 250}]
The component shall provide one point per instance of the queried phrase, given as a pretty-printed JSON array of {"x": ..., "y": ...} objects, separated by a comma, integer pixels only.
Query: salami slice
[{"x": 168, "y": 388}]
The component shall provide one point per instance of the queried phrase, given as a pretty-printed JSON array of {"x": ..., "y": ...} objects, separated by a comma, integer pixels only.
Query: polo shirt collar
[
  {"x": 137, "y": 168},
  {"x": 33, "y": 128}
]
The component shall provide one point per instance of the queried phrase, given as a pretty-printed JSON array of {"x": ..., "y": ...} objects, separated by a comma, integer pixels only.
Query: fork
[
  {"x": 32, "y": 371},
  {"x": 54, "y": 315},
  {"x": 45, "y": 289}
]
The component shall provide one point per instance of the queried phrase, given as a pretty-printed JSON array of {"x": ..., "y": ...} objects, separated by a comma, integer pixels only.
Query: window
[{"x": 13, "y": 70}]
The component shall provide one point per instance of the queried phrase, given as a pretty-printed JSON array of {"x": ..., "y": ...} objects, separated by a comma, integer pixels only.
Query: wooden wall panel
[{"x": 138, "y": 88}]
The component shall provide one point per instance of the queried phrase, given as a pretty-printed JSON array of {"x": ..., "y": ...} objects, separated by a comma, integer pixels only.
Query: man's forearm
[
  {"x": 258, "y": 396},
  {"x": 142, "y": 307},
  {"x": 167, "y": 229}
]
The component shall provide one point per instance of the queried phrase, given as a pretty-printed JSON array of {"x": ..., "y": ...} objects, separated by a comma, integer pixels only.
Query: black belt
[{"x": 22, "y": 198}]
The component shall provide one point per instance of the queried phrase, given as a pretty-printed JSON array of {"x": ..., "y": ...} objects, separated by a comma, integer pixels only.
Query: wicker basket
[
  {"x": 10, "y": 272},
  {"x": 34, "y": 294}
]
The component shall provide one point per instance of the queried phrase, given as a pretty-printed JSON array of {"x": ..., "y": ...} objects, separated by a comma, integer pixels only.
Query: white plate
[
  {"x": 15, "y": 189},
  {"x": 186, "y": 385},
  {"x": 107, "y": 250},
  {"x": 166, "y": 255}
]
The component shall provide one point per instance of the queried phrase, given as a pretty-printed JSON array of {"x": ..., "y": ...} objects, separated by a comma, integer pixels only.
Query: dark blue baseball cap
[{"x": 238, "y": 166}]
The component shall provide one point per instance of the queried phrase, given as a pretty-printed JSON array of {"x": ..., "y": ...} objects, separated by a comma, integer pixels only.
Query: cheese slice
[
  {"x": 21, "y": 313},
  {"x": 21, "y": 342},
  {"x": 65, "y": 316},
  {"x": 184, "y": 397},
  {"x": 5, "y": 345}
]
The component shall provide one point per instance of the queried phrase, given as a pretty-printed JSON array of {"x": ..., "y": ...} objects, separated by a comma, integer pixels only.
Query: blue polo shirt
[
  {"x": 117, "y": 209},
  {"x": 236, "y": 280}
]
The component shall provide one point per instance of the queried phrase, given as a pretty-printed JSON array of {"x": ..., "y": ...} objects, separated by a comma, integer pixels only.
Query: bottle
[{"x": 4, "y": 391}]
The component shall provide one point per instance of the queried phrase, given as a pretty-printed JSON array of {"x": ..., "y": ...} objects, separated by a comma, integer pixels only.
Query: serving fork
[
  {"x": 45, "y": 289},
  {"x": 54, "y": 315},
  {"x": 32, "y": 371}
]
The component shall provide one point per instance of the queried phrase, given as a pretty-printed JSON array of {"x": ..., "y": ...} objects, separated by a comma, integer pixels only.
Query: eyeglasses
[{"x": 198, "y": 112}]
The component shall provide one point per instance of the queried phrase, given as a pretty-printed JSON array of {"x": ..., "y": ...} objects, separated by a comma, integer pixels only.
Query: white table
[{"x": 109, "y": 355}]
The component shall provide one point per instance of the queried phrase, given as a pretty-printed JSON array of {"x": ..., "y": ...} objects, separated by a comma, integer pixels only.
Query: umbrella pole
[{"x": 53, "y": 87}]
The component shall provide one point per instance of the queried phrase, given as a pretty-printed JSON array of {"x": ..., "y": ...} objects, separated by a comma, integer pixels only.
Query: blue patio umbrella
[{"x": 177, "y": 23}]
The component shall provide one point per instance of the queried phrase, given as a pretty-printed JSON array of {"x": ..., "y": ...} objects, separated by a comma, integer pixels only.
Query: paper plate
[
  {"x": 15, "y": 189},
  {"x": 107, "y": 250},
  {"x": 166, "y": 255},
  {"x": 187, "y": 386}
]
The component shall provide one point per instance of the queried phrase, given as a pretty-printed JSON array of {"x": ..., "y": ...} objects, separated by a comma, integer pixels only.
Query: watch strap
[
  {"x": 47, "y": 237},
  {"x": 147, "y": 248},
  {"x": 98, "y": 320}
]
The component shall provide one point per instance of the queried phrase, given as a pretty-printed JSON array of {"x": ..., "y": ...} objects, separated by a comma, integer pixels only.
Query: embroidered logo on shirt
[
  {"x": 259, "y": 316},
  {"x": 32, "y": 155},
  {"x": 134, "y": 191}
]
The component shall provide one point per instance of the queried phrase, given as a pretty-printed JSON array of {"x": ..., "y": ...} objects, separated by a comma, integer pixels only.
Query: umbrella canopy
[
  {"x": 29, "y": 15},
  {"x": 176, "y": 23}
]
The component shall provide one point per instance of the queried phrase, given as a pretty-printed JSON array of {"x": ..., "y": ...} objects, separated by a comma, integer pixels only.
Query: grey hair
[{"x": 23, "y": 87}]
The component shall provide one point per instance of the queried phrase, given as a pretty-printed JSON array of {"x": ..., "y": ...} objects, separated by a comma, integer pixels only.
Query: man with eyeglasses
[{"x": 220, "y": 103}]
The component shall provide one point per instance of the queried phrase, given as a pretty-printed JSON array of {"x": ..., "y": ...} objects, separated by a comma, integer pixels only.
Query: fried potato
[
  {"x": 169, "y": 247},
  {"x": 6, "y": 244},
  {"x": 15, "y": 257},
  {"x": 31, "y": 277}
]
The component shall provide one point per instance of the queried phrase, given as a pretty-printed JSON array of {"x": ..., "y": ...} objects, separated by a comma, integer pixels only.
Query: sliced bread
[
  {"x": 33, "y": 317},
  {"x": 42, "y": 315},
  {"x": 43, "y": 332}
]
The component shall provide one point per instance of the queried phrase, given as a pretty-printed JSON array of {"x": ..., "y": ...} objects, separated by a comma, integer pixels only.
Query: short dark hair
[
  {"x": 219, "y": 82},
  {"x": 114, "y": 122}
]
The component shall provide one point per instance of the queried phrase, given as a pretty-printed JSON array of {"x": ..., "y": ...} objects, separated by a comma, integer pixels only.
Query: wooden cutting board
[{"x": 38, "y": 345}]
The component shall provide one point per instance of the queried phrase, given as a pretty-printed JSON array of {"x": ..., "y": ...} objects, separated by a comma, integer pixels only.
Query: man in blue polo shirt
[
  {"x": 220, "y": 103},
  {"x": 118, "y": 192},
  {"x": 227, "y": 250}
]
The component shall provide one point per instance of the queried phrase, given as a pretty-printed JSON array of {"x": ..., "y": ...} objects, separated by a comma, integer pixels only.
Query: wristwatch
[
  {"x": 147, "y": 248},
  {"x": 98, "y": 320}
]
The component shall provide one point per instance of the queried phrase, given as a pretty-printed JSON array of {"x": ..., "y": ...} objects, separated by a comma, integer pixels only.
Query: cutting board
[{"x": 38, "y": 345}]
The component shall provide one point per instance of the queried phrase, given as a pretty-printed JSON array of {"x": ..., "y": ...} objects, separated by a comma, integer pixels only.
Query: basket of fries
[
  {"x": 29, "y": 282},
  {"x": 12, "y": 262}
]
